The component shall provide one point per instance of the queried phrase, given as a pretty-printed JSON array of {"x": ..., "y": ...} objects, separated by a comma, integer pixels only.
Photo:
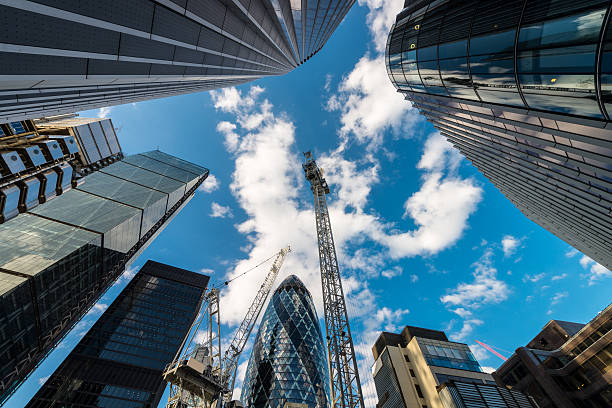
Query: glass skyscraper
[
  {"x": 119, "y": 362},
  {"x": 288, "y": 363},
  {"x": 58, "y": 257},
  {"x": 63, "y": 56},
  {"x": 523, "y": 88}
]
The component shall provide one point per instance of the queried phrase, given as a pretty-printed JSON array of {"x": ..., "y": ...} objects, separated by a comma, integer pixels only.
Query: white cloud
[
  {"x": 369, "y": 103},
  {"x": 414, "y": 278},
  {"x": 210, "y": 184},
  {"x": 595, "y": 271},
  {"x": 510, "y": 245},
  {"x": 104, "y": 112},
  {"x": 479, "y": 352},
  {"x": 220, "y": 211},
  {"x": 486, "y": 287},
  {"x": 98, "y": 308},
  {"x": 559, "y": 277},
  {"x": 127, "y": 275},
  {"x": 558, "y": 297},
  {"x": 207, "y": 271},
  {"x": 393, "y": 272},
  {"x": 572, "y": 252},
  {"x": 488, "y": 369},
  {"x": 43, "y": 380},
  {"x": 533, "y": 278},
  {"x": 468, "y": 327}
]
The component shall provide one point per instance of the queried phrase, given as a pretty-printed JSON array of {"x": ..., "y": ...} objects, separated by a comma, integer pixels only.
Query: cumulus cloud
[
  {"x": 219, "y": 211},
  {"x": 465, "y": 298},
  {"x": 534, "y": 278},
  {"x": 559, "y": 277},
  {"x": 367, "y": 101},
  {"x": 479, "y": 352},
  {"x": 210, "y": 184},
  {"x": 393, "y": 272},
  {"x": 485, "y": 288},
  {"x": 466, "y": 329},
  {"x": 509, "y": 245},
  {"x": 594, "y": 271},
  {"x": 276, "y": 195},
  {"x": 488, "y": 370},
  {"x": 43, "y": 380}
]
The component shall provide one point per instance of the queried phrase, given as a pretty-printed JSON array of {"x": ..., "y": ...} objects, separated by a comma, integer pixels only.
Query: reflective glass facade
[
  {"x": 63, "y": 56},
  {"x": 448, "y": 354},
  {"x": 288, "y": 362},
  {"x": 59, "y": 257},
  {"x": 119, "y": 362},
  {"x": 522, "y": 89}
]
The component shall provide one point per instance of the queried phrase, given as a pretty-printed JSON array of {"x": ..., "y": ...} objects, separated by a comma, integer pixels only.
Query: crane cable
[{"x": 227, "y": 282}]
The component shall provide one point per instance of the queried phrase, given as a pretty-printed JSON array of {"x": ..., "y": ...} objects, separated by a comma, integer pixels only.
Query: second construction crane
[
  {"x": 199, "y": 378},
  {"x": 344, "y": 377}
]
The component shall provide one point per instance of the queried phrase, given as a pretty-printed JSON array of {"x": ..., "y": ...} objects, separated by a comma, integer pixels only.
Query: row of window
[{"x": 555, "y": 64}]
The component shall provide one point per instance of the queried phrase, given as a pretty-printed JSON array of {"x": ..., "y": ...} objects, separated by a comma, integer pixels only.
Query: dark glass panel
[
  {"x": 454, "y": 49},
  {"x": 409, "y": 56},
  {"x": 429, "y": 73},
  {"x": 427, "y": 54},
  {"x": 573, "y": 59},
  {"x": 495, "y": 42}
]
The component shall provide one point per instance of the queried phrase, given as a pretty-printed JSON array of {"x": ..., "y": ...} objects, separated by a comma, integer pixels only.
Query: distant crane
[
  {"x": 491, "y": 350},
  {"x": 198, "y": 377},
  {"x": 344, "y": 376}
]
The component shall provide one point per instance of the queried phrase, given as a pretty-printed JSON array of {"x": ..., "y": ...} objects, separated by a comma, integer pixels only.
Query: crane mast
[
  {"x": 344, "y": 377},
  {"x": 232, "y": 354}
]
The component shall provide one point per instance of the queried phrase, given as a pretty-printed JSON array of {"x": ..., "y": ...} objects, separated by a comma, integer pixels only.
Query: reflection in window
[{"x": 556, "y": 63}]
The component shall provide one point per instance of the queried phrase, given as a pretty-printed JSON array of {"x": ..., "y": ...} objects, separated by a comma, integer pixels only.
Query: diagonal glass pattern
[{"x": 288, "y": 362}]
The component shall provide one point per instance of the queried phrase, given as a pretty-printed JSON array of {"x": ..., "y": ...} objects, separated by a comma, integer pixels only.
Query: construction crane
[
  {"x": 491, "y": 350},
  {"x": 198, "y": 377},
  {"x": 344, "y": 377}
]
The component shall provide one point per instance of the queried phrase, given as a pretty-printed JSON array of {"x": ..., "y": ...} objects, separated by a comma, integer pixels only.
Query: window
[
  {"x": 406, "y": 358},
  {"x": 418, "y": 390},
  {"x": 412, "y": 373}
]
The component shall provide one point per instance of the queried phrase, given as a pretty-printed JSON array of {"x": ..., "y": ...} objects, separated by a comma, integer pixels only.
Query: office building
[
  {"x": 288, "y": 367},
  {"x": 523, "y": 90},
  {"x": 119, "y": 362},
  {"x": 422, "y": 368},
  {"x": 567, "y": 365},
  {"x": 62, "y": 56},
  {"x": 57, "y": 258}
]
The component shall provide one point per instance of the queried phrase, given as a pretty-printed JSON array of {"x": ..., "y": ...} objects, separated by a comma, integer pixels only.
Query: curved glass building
[
  {"x": 288, "y": 362},
  {"x": 523, "y": 88}
]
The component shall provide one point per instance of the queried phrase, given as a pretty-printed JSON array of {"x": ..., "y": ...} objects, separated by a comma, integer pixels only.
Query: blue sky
[{"x": 423, "y": 239}]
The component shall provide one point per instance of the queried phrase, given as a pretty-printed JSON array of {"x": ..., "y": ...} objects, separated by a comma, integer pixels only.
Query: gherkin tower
[{"x": 288, "y": 362}]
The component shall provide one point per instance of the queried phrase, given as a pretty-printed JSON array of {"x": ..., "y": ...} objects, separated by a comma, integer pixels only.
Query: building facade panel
[
  {"x": 288, "y": 363},
  {"x": 119, "y": 362},
  {"x": 84, "y": 49},
  {"x": 519, "y": 88}
]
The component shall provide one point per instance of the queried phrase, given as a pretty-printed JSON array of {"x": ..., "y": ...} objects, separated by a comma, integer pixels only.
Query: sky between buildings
[{"x": 422, "y": 238}]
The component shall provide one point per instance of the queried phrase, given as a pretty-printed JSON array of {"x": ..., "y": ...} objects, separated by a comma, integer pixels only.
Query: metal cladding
[
  {"x": 288, "y": 363},
  {"x": 523, "y": 89},
  {"x": 119, "y": 362},
  {"x": 58, "y": 257},
  {"x": 62, "y": 56}
]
